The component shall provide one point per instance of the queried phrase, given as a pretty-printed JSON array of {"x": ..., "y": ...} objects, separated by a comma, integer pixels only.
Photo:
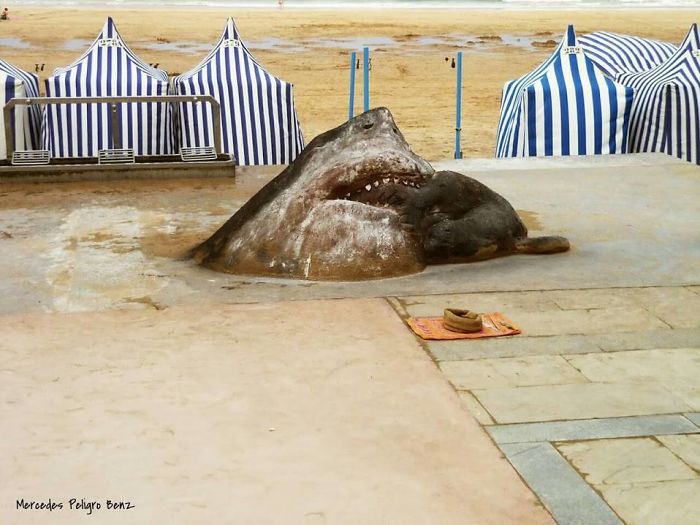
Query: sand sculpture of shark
[{"x": 359, "y": 204}]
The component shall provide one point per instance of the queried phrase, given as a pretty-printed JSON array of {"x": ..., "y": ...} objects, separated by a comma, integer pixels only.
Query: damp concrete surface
[{"x": 129, "y": 373}]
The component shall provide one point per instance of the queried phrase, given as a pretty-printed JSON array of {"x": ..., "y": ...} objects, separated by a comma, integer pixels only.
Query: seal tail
[{"x": 550, "y": 244}]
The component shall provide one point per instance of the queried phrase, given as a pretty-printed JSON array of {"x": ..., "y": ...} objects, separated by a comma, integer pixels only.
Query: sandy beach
[{"x": 311, "y": 49}]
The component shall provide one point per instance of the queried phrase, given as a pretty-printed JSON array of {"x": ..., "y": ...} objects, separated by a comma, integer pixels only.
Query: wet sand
[{"x": 411, "y": 55}]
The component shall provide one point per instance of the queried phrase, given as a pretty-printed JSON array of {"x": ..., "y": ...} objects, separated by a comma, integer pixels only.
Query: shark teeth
[{"x": 385, "y": 180}]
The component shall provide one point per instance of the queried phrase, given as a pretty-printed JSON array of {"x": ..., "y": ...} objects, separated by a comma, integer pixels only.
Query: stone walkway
[{"x": 596, "y": 404}]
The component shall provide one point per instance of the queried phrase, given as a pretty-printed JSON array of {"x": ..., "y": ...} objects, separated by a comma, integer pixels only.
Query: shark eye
[
  {"x": 394, "y": 130},
  {"x": 368, "y": 125}
]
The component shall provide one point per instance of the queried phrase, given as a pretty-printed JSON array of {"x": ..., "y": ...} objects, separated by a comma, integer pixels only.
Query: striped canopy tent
[
  {"x": 108, "y": 68},
  {"x": 617, "y": 54},
  {"x": 26, "y": 121},
  {"x": 259, "y": 123},
  {"x": 666, "y": 109},
  {"x": 566, "y": 106}
]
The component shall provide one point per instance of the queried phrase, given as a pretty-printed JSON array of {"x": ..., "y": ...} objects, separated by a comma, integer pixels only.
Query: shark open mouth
[{"x": 387, "y": 190}]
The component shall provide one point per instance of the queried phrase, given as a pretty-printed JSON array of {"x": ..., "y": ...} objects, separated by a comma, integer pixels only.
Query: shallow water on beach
[
  {"x": 17, "y": 43},
  {"x": 470, "y": 43}
]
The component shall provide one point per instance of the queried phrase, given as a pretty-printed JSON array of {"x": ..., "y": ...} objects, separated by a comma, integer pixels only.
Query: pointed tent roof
[
  {"x": 652, "y": 112},
  {"x": 230, "y": 38},
  {"x": 259, "y": 121},
  {"x": 617, "y": 54},
  {"x": 108, "y": 67},
  {"x": 30, "y": 79},
  {"x": 685, "y": 60},
  {"x": 110, "y": 37},
  {"x": 559, "y": 74}
]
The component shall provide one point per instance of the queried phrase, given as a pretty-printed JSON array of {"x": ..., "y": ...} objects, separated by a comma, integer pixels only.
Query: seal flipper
[{"x": 548, "y": 244}]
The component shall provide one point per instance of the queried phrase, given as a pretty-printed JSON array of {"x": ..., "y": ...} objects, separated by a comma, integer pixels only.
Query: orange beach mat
[{"x": 495, "y": 324}]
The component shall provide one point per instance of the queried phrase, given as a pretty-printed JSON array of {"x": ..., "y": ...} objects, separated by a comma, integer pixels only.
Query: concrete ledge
[
  {"x": 145, "y": 170},
  {"x": 580, "y": 162}
]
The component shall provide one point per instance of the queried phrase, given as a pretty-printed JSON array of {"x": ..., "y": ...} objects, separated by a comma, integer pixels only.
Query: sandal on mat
[{"x": 464, "y": 321}]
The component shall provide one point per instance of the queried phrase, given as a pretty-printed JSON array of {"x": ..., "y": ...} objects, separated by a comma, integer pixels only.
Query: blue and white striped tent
[
  {"x": 617, "y": 54},
  {"x": 108, "y": 68},
  {"x": 666, "y": 109},
  {"x": 259, "y": 124},
  {"x": 566, "y": 106},
  {"x": 26, "y": 120}
]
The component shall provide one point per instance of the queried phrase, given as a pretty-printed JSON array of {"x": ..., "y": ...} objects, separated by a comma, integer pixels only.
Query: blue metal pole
[
  {"x": 365, "y": 72},
  {"x": 458, "y": 123},
  {"x": 351, "y": 103}
]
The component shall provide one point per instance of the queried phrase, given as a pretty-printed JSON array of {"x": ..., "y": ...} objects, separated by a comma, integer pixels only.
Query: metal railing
[{"x": 113, "y": 101}]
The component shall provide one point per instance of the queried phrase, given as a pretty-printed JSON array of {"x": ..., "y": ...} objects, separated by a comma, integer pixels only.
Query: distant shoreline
[{"x": 346, "y": 6}]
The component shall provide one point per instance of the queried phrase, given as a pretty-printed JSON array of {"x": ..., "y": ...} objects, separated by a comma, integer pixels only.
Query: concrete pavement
[
  {"x": 128, "y": 372},
  {"x": 307, "y": 412}
]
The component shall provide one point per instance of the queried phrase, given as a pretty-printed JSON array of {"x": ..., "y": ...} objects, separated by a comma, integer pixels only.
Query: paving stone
[
  {"x": 592, "y": 429},
  {"x": 475, "y": 408},
  {"x": 677, "y": 369},
  {"x": 510, "y": 371},
  {"x": 688, "y": 393},
  {"x": 509, "y": 303},
  {"x": 668, "y": 502},
  {"x": 562, "y": 491},
  {"x": 586, "y": 322},
  {"x": 578, "y": 401},
  {"x": 677, "y": 306},
  {"x": 679, "y": 365},
  {"x": 516, "y": 346},
  {"x": 592, "y": 299},
  {"x": 629, "y": 460},
  {"x": 685, "y": 447},
  {"x": 647, "y": 340},
  {"x": 694, "y": 417}
]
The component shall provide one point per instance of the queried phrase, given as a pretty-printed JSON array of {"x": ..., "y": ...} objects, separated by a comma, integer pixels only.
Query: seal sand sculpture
[{"x": 359, "y": 204}]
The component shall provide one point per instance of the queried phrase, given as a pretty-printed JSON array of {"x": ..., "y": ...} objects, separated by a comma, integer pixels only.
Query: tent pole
[
  {"x": 351, "y": 102},
  {"x": 458, "y": 122},
  {"x": 365, "y": 73}
]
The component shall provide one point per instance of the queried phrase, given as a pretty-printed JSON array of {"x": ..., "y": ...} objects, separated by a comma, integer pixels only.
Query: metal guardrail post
[
  {"x": 458, "y": 113},
  {"x": 116, "y": 132},
  {"x": 10, "y": 106},
  {"x": 351, "y": 102},
  {"x": 365, "y": 77}
]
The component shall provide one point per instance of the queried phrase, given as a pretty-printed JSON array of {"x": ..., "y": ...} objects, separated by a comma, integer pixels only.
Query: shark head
[{"x": 338, "y": 212}]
